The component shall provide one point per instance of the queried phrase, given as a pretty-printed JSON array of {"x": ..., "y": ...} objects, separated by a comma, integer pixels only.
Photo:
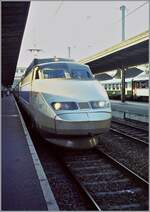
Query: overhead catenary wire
[
  {"x": 58, "y": 8},
  {"x": 137, "y": 8},
  {"x": 132, "y": 11},
  {"x": 128, "y": 14},
  {"x": 36, "y": 50}
]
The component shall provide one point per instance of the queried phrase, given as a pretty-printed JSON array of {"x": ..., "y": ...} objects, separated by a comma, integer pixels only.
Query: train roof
[
  {"x": 142, "y": 76},
  {"x": 68, "y": 63},
  {"x": 40, "y": 61},
  {"x": 129, "y": 73},
  {"x": 114, "y": 80}
]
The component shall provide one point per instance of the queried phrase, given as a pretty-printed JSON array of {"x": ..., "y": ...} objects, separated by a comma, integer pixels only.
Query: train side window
[
  {"x": 143, "y": 84},
  {"x": 137, "y": 84},
  {"x": 129, "y": 84},
  {"x": 37, "y": 75},
  {"x": 147, "y": 85}
]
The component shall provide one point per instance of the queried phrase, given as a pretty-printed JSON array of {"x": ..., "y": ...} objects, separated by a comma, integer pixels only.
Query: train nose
[{"x": 82, "y": 123}]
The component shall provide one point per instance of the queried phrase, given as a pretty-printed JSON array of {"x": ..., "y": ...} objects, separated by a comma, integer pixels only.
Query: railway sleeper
[{"x": 122, "y": 199}]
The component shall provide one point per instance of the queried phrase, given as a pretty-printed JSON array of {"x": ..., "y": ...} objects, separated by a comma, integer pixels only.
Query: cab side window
[{"x": 37, "y": 74}]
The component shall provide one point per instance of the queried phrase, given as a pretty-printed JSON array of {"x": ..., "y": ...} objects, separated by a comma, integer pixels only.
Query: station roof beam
[{"x": 14, "y": 16}]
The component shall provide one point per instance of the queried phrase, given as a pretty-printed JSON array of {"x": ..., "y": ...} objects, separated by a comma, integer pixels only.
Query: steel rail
[
  {"x": 129, "y": 136},
  {"x": 142, "y": 180},
  {"x": 130, "y": 174},
  {"x": 129, "y": 125},
  {"x": 82, "y": 187}
]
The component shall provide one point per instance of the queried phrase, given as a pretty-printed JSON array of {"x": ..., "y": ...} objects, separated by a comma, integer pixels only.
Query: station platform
[
  {"x": 133, "y": 110},
  {"x": 24, "y": 183}
]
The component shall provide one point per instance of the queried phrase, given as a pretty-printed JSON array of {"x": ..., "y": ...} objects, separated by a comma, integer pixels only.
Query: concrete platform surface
[
  {"x": 134, "y": 110},
  {"x": 21, "y": 188}
]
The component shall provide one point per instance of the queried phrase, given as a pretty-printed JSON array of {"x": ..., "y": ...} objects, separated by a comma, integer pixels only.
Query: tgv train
[{"x": 66, "y": 103}]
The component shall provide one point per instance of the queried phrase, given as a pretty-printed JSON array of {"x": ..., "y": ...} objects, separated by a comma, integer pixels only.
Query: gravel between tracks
[
  {"x": 110, "y": 187},
  {"x": 126, "y": 151}
]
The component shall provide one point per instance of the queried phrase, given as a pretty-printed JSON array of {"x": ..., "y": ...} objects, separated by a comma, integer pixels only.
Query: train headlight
[
  {"x": 99, "y": 104},
  {"x": 57, "y": 106},
  {"x": 64, "y": 106}
]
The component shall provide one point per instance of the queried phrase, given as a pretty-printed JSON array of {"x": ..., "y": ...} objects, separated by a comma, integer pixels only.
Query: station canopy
[
  {"x": 131, "y": 52},
  {"x": 14, "y": 16},
  {"x": 130, "y": 73}
]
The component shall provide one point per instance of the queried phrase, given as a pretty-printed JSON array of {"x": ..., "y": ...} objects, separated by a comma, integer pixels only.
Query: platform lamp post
[
  {"x": 70, "y": 48},
  {"x": 69, "y": 51},
  {"x": 35, "y": 51},
  {"x": 123, "y": 8}
]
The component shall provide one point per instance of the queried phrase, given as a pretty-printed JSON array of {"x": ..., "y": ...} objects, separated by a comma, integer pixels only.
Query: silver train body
[{"x": 67, "y": 105}]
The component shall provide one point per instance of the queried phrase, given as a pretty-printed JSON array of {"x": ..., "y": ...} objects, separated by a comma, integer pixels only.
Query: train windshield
[
  {"x": 53, "y": 73},
  {"x": 78, "y": 73},
  {"x": 81, "y": 74}
]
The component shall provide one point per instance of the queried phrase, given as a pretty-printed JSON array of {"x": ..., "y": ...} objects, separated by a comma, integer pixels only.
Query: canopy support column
[{"x": 123, "y": 69}]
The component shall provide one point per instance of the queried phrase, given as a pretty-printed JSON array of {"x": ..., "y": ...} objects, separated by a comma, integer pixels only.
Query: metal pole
[
  {"x": 69, "y": 51},
  {"x": 123, "y": 84},
  {"x": 123, "y": 8}
]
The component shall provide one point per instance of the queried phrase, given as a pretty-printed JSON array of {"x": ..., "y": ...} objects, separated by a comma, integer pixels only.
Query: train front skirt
[{"x": 76, "y": 142}]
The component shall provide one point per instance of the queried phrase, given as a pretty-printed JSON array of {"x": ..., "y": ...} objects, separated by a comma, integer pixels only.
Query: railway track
[
  {"x": 101, "y": 186},
  {"x": 135, "y": 123},
  {"x": 108, "y": 184},
  {"x": 127, "y": 150},
  {"x": 130, "y": 130}
]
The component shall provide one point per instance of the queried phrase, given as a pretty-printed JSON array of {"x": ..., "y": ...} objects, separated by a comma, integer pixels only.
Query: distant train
[
  {"x": 136, "y": 88},
  {"x": 63, "y": 98}
]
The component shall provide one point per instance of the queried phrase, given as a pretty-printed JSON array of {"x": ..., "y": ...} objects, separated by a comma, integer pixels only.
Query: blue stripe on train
[{"x": 25, "y": 95}]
